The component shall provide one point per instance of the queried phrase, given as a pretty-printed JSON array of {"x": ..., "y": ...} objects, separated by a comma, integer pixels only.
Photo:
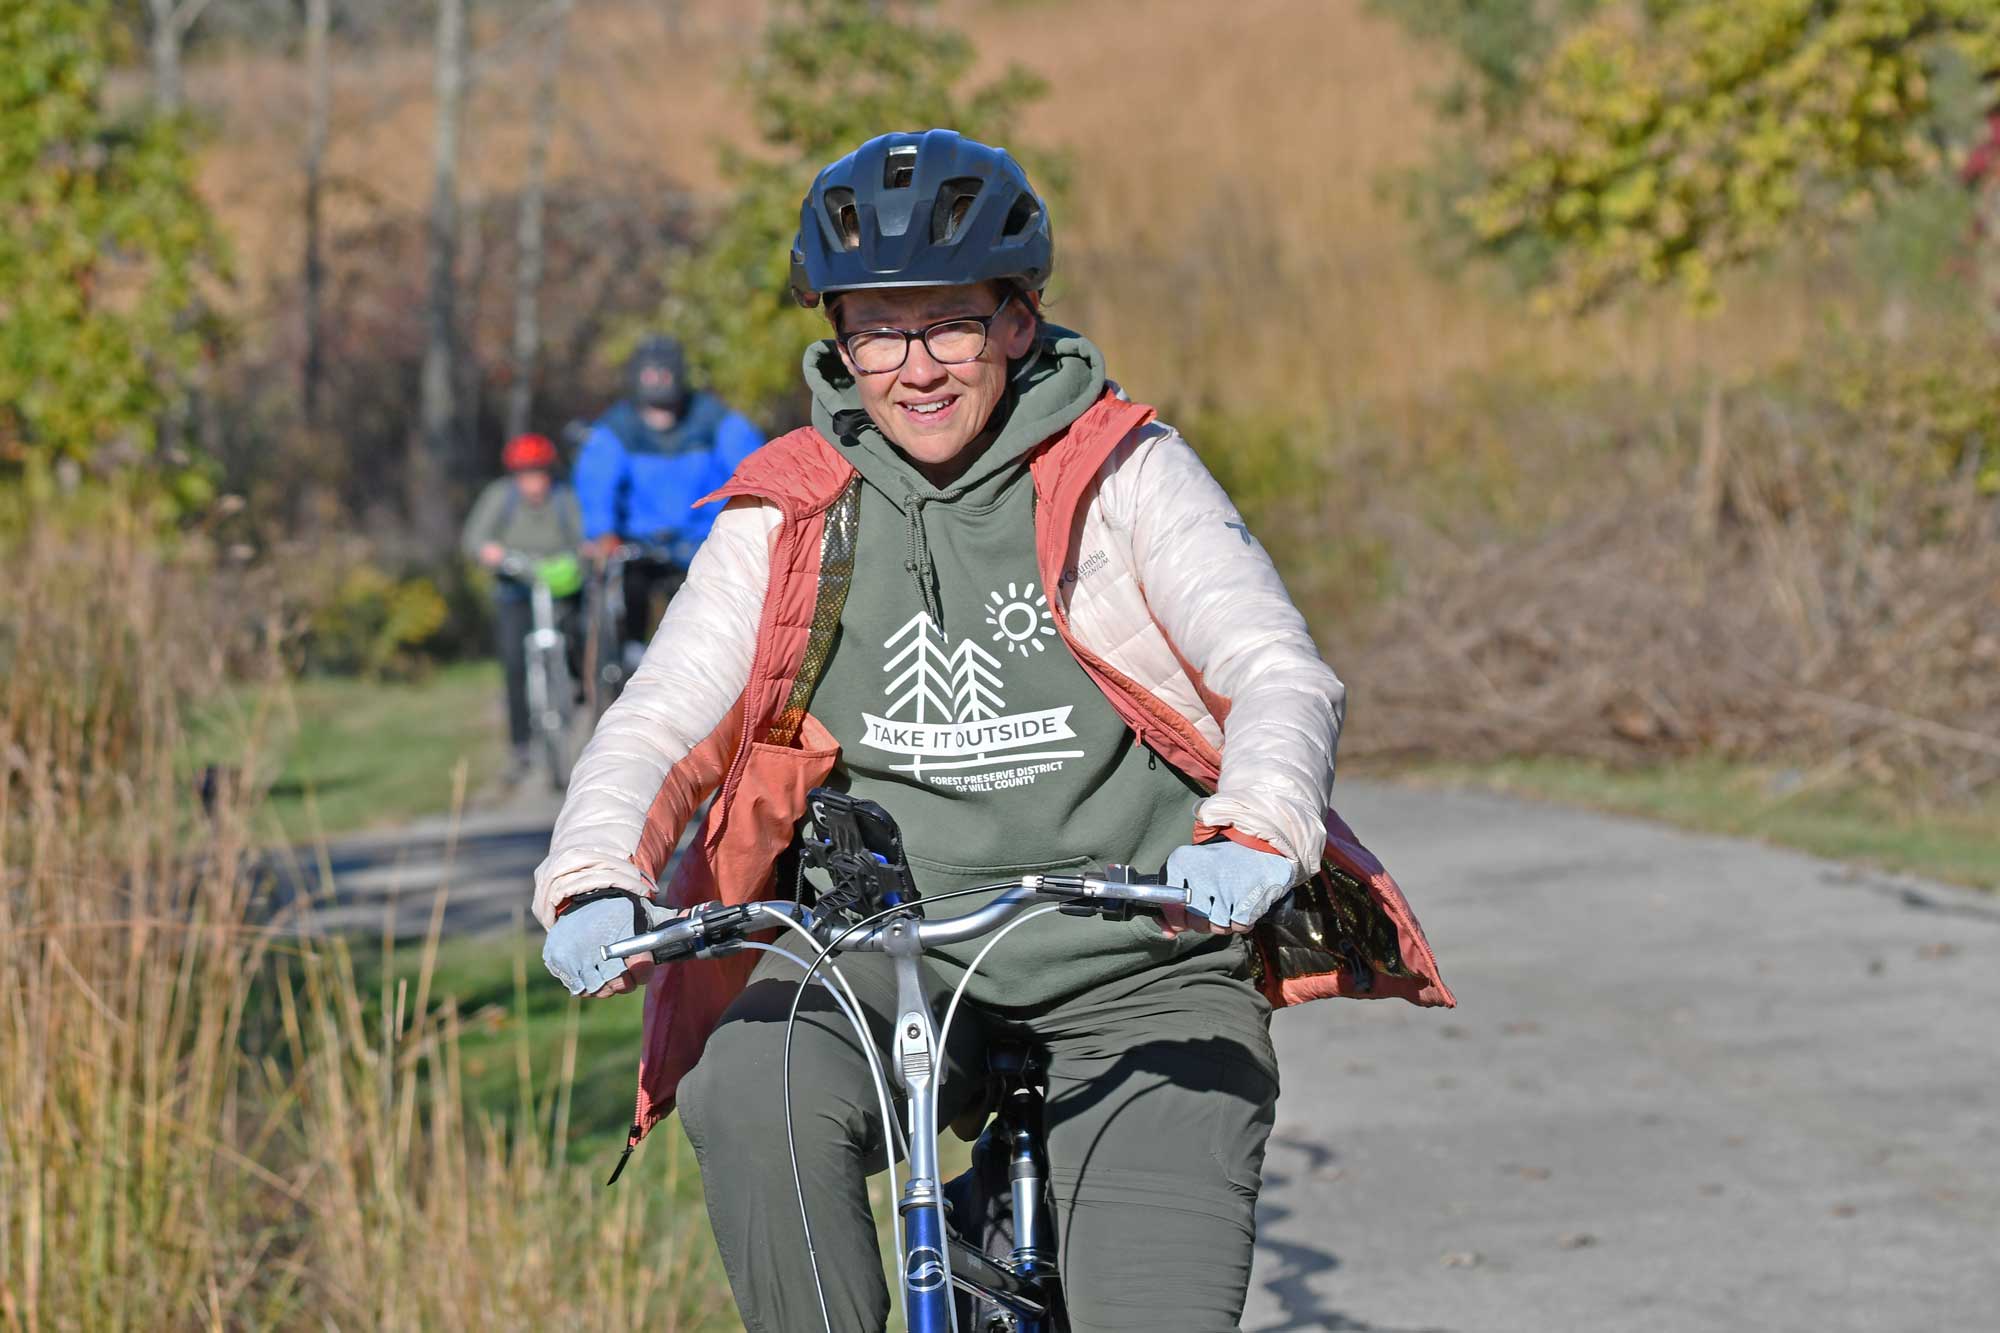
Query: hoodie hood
[
  {"x": 1049, "y": 388},
  {"x": 694, "y": 431}
]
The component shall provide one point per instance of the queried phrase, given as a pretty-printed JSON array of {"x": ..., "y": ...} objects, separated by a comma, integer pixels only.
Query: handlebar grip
[
  {"x": 1159, "y": 894},
  {"x": 677, "y": 939},
  {"x": 1137, "y": 886}
]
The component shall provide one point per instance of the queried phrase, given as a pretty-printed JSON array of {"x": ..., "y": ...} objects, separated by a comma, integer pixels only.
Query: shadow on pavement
[{"x": 1291, "y": 1286}]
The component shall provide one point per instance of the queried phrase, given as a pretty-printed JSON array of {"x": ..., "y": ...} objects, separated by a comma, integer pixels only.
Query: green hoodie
[{"x": 957, "y": 707}]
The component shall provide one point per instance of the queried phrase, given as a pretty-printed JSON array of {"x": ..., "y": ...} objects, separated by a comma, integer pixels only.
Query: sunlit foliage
[
  {"x": 1665, "y": 142},
  {"x": 103, "y": 243}
]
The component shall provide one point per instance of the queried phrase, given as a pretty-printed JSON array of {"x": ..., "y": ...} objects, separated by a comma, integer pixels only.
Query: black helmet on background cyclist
[
  {"x": 656, "y": 374},
  {"x": 920, "y": 210}
]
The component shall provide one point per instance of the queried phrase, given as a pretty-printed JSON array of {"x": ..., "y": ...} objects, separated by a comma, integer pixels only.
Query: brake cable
[{"x": 850, "y": 1009}]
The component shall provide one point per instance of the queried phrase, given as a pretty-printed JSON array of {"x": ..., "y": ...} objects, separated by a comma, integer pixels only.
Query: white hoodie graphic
[{"x": 947, "y": 711}]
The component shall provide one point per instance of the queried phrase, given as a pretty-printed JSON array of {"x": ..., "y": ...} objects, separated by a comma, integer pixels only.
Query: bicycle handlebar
[
  {"x": 716, "y": 928},
  {"x": 522, "y": 567},
  {"x": 676, "y": 553}
]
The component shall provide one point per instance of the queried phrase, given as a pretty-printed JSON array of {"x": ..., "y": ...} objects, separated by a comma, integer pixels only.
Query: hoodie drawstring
[{"x": 919, "y": 564}]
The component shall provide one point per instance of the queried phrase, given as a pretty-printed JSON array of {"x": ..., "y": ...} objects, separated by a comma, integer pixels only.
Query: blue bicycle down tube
[{"x": 926, "y": 1290}]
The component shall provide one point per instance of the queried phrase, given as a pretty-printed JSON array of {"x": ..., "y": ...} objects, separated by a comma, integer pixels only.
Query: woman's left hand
[{"x": 1230, "y": 887}]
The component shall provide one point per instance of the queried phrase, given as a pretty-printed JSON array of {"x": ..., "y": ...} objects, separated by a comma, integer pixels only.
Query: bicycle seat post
[{"x": 926, "y": 1293}]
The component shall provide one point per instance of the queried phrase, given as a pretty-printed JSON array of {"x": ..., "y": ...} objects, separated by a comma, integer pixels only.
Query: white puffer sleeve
[
  {"x": 1210, "y": 585},
  {"x": 693, "y": 675}
]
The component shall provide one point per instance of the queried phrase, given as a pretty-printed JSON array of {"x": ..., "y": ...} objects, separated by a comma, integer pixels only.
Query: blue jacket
[{"x": 642, "y": 485}]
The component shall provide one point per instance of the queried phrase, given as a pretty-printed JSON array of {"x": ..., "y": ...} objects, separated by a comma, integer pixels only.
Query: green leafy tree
[
  {"x": 1659, "y": 144},
  {"x": 831, "y": 74},
  {"x": 1498, "y": 48},
  {"x": 103, "y": 243}
]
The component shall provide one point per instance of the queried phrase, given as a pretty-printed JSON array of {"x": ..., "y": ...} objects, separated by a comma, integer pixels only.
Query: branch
[{"x": 184, "y": 14}]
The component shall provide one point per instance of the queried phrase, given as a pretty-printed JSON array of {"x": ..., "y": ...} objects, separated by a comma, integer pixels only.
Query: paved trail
[
  {"x": 1692, "y": 1085},
  {"x": 486, "y": 860}
]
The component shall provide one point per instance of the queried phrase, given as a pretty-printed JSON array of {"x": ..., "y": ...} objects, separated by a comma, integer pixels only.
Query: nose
[{"x": 920, "y": 369}]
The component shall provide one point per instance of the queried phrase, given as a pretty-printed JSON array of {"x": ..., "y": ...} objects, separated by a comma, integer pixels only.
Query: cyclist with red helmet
[{"x": 526, "y": 512}]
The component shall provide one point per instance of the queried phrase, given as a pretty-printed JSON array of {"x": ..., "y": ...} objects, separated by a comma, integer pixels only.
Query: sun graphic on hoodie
[{"x": 1020, "y": 619}]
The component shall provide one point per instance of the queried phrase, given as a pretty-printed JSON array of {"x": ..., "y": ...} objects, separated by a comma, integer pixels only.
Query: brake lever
[
  {"x": 710, "y": 932},
  {"x": 1118, "y": 909}
]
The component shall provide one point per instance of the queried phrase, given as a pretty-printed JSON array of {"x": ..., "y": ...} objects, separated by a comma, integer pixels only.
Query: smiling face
[{"x": 928, "y": 410}]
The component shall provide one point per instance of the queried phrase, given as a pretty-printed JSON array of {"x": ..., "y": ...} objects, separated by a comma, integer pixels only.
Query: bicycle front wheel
[{"x": 604, "y": 648}]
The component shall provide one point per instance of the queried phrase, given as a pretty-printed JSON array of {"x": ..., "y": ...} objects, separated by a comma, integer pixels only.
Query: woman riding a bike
[
  {"x": 991, "y": 593},
  {"x": 525, "y": 518}
]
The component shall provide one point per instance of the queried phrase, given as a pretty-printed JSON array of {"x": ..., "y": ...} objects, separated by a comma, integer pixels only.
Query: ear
[{"x": 1016, "y": 331}]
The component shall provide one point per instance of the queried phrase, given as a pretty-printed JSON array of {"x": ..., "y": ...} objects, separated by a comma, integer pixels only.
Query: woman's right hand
[
  {"x": 574, "y": 950},
  {"x": 637, "y": 970}
]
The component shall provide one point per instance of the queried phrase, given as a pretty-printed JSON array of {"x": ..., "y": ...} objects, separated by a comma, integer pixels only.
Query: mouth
[{"x": 931, "y": 411}]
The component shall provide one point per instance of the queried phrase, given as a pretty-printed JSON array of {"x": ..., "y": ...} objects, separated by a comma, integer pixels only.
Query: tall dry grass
[{"x": 205, "y": 1121}]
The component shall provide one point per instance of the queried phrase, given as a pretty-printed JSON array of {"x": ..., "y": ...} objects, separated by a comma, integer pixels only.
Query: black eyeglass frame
[{"x": 985, "y": 323}]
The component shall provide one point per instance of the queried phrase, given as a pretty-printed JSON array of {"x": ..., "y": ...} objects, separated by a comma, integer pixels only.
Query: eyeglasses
[{"x": 951, "y": 342}]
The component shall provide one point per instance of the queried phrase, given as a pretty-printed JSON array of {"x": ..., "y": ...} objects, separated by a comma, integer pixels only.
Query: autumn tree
[
  {"x": 103, "y": 244},
  {"x": 1659, "y": 144},
  {"x": 830, "y": 75}
]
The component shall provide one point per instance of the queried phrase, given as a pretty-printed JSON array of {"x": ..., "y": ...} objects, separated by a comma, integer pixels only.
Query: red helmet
[{"x": 528, "y": 453}]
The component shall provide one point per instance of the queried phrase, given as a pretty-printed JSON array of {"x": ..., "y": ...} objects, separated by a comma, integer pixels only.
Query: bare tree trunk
[
  {"x": 169, "y": 23},
  {"x": 436, "y": 464},
  {"x": 319, "y": 98},
  {"x": 528, "y": 241}
]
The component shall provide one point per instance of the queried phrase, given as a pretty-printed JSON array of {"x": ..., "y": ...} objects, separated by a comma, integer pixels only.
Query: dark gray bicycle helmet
[
  {"x": 920, "y": 210},
  {"x": 657, "y": 352}
]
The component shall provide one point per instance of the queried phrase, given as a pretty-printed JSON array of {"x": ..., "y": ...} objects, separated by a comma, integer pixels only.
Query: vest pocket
[{"x": 770, "y": 797}]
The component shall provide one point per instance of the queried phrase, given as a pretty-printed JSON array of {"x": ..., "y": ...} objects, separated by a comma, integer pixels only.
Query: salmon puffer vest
[{"x": 1348, "y": 930}]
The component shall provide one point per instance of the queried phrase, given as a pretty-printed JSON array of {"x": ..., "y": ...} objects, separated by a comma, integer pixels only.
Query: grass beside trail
[
  {"x": 345, "y": 754},
  {"x": 519, "y": 1031},
  {"x": 1959, "y": 843},
  {"x": 518, "y": 1028}
]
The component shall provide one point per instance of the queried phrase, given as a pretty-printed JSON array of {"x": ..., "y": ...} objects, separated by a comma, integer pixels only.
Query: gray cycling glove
[
  {"x": 572, "y": 952},
  {"x": 1230, "y": 884}
]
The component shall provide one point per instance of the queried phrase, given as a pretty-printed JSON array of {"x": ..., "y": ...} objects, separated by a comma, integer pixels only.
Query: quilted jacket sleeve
[
  {"x": 1210, "y": 585},
  {"x": 641, "y": 761}
]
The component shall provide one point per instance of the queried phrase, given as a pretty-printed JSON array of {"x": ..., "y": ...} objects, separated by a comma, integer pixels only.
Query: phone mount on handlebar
[{"x": 859, "y": 847}]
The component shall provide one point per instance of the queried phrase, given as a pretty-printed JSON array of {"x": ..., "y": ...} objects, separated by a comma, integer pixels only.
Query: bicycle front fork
[{"x": 927, "y": 1279}]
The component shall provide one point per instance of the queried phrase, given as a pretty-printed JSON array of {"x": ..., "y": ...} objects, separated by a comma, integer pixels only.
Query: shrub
[{"x": 373, "y": 623}]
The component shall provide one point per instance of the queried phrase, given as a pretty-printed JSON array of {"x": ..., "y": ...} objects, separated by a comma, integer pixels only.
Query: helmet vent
[
  {"x": 899, "y": 169},
  {"x": 954, "y": 201},
  {"x": 846, "y": 221},
  {"x": 1021, "y": 218}
]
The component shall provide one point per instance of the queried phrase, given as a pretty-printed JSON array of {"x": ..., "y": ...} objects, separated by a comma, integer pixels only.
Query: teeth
[{"x": 927, "y": 408}]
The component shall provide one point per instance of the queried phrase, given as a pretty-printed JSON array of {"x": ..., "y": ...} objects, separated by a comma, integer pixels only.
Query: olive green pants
[{"x": 1161, "y": 1090}]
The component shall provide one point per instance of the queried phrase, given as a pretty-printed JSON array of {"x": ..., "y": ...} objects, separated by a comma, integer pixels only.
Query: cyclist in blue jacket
[{"x": 644, "y": 464}]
